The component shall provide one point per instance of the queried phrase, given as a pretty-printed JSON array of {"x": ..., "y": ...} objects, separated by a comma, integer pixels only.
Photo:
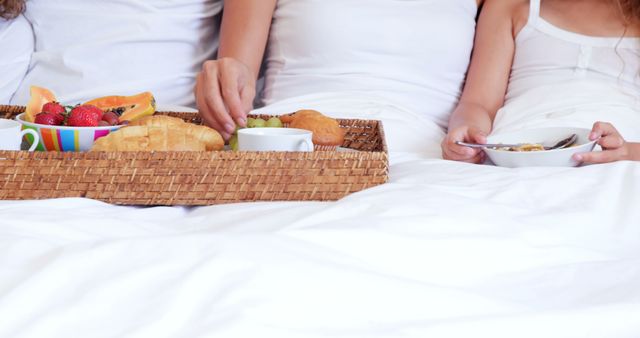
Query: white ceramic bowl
[{"x": 545, "y": 136}]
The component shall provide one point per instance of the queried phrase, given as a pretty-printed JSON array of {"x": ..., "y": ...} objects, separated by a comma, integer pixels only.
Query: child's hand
[
  {"x": 614, "y": 147},
  {"x": 452, "y": 151}
]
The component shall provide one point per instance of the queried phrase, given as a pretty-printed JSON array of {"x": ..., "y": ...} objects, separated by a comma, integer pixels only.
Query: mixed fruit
[
  {"x": 273, "y": 122},
  {"x": 43, "y": 108},
  {"x": 55, "y": 114}
]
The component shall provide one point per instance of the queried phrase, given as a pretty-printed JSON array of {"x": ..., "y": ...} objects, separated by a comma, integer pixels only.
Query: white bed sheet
[{"x": 444, "y": 250}]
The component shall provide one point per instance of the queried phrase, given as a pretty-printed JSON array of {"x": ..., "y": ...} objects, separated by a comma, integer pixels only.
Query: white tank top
[
  {"x": 413, "y": 53},
  {"x": 90, "y": 48},
  {"x": 546, "y": 54}
]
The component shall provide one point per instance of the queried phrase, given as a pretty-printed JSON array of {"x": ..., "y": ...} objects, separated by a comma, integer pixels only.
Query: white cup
[
  {"x": 11, "y": 135},
  {"x": 274, "y": 139}
]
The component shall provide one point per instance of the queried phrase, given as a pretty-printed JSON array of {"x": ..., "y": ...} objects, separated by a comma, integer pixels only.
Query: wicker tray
[{"x": 198, "y": 178}]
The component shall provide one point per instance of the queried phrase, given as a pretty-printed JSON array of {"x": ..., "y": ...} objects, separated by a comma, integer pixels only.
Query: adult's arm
[
  {"x": 226, "y": 87},
  {"x": 486, "y": 83}
]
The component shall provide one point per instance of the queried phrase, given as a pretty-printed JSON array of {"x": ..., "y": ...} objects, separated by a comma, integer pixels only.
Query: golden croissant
[{"x": 161, "y": 133}]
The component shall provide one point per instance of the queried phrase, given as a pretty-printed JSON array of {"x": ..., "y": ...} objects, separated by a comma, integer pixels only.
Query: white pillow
[{"x": 90, "y": 48}]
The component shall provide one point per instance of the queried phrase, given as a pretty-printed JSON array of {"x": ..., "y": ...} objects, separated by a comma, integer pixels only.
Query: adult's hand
[
  {"x": 455, "y": 152},
  {"x": 225, "y": 89}
]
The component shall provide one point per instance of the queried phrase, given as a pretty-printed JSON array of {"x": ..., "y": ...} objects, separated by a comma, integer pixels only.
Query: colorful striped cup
[{"x": 63, "y": 138}]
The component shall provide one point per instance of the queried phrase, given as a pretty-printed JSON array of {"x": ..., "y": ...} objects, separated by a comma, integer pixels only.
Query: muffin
[
  {"x": 287, "y": 119},
  {"x": 327, "y": 134}
]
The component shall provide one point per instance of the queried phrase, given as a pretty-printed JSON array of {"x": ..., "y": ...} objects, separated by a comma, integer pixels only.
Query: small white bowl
[{"x": 546, "y": 158}]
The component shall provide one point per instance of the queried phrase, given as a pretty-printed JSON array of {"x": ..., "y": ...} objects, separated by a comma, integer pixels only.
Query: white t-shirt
[
  {"x": 410, "y": 53},
  {"x": 16, "y": 39},
  {"x": 91, "y": 48}
]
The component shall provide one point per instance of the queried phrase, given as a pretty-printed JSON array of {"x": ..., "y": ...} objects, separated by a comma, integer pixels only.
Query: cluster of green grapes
[{"x": 273, "y": 122}]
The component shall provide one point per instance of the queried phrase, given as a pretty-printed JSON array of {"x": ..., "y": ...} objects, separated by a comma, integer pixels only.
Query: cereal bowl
[
  {"x": 65, "y": 138},
  {"x": 544, "y": 158}
]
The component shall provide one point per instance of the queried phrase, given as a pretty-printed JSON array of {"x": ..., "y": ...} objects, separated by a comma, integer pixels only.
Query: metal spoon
[{"x": 564, "y": 143}]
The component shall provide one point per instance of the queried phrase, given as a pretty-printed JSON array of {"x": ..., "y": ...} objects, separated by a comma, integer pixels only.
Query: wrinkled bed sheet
[{"x": 444, "y": 250}]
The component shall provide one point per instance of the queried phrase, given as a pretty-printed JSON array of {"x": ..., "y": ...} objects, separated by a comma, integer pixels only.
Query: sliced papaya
[
  {"x": 39, "y": 97},
  {"x": 128, "y": 108}
]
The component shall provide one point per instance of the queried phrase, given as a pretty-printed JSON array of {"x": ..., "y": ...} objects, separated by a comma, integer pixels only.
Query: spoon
[{"x": 564, "y": 143}]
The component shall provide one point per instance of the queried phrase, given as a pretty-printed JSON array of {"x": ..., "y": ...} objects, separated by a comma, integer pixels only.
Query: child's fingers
[
  {"x": 595, "y": 157},
  {"x": 611, "y": 142},
  {"x": 596, "y": 131},
  {"x": 479, "y": 158},
  {"x": 459, "y": 153},
  {"x": 477, "y": 136},
  {"x": 456, "y": 149},
  {"x": 463, "y": 151},
  {"x": 601, "y": 129},
  {"x": 467, "y": 153},
  {"x": 453, "y": 151}
]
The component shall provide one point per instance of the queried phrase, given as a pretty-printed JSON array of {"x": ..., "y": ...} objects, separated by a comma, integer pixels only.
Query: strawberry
[
  {"x": 53, "y": 108},
  {"x": 85, "y": 116},
  {"x": 111, "y": 118},
  {"x": 49, "y": 119},
  {"x": 97, "y": 112}
]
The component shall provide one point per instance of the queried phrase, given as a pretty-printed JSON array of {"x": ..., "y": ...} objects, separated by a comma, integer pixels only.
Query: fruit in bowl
[
  {"x": 75, "y": 128},
  {"x": 534, "y": 142},
  {"x": 65, "y": 138}
]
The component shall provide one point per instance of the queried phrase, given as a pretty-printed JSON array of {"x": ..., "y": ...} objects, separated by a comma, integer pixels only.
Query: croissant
[
  {"x": 157, "y": 120},
  {"x": 160, "y": 133}
]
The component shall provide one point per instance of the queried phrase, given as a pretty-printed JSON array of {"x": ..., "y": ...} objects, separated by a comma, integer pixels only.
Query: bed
[{"x": 444, "y": 249}]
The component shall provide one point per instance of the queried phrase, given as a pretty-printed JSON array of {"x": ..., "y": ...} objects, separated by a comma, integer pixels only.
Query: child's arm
[
  {"x": 225, "y": 88},
  {"x": 486, "y": 82},
  {"x": 614, "y": 147}
]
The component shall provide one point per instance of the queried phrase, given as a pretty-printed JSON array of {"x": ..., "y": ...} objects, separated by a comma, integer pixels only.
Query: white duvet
[{"x": 443, "y": 250}]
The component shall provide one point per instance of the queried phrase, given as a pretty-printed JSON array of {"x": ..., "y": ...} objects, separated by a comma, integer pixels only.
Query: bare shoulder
[
  {"x": 515, "y": 11},
  {"x": 511, "y": 7}
]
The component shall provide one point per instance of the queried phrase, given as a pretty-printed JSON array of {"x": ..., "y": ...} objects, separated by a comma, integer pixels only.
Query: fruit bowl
[{"x": 65, "y": 138}]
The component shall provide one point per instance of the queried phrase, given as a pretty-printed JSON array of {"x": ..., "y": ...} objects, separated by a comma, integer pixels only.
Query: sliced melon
[
  {"x": 128, "y": 108},
  {"x": 39, "y": 97}
]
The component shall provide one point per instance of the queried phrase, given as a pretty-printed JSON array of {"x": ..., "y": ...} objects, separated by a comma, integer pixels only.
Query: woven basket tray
[{"x": 198, "y": 178}]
